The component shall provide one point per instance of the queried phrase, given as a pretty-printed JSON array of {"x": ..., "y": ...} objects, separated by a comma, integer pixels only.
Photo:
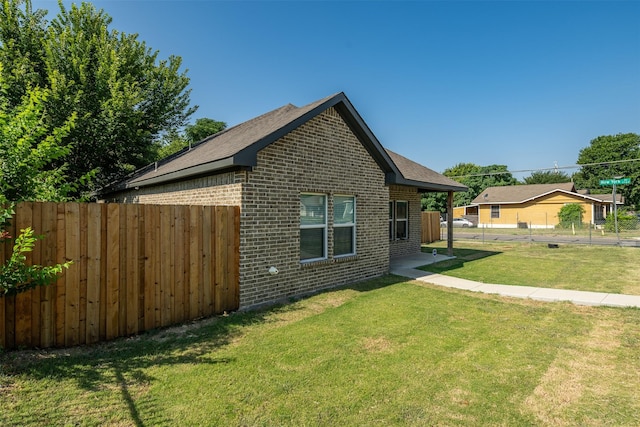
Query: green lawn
[
  {"x": 587, "y": 268},
  {"x": 383, "y": 352}
]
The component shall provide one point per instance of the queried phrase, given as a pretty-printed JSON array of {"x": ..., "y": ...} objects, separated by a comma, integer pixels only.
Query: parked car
[{"x": 458, "y": 222}]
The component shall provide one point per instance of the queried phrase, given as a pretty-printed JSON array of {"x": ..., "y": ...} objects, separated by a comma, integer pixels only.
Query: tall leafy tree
[
  {"x": 607, "y": 157},
  {"x": 123, "y": 95},
  {"x": 547, "y": 177}
]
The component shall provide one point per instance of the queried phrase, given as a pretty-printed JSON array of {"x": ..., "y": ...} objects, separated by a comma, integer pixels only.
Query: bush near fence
[{"x": 135, "y": 268}]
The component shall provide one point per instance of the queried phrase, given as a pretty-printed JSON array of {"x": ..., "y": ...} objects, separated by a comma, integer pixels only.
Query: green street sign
[{"x": 615, "y": 181}]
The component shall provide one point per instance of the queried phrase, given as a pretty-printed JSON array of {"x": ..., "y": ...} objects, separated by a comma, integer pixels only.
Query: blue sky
[{"x": 526, "y": 84}]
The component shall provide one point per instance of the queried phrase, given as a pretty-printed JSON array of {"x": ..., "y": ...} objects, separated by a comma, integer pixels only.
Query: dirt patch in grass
[{"x": 581, "y": 373}]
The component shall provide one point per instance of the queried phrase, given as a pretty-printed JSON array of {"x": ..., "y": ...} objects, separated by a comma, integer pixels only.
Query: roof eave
[
  {"x": 426, "y": 187},
  {"x": 218, "y": 166}
]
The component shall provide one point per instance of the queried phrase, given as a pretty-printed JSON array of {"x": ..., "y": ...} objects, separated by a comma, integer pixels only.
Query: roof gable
[{"x": 237, "y": 147}]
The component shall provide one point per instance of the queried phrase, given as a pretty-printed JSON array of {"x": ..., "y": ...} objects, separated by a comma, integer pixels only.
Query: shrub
[{"x": 569, "y": 214}]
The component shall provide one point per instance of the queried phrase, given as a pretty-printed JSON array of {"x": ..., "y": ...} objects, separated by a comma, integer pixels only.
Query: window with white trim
[
  {"x": 402, "y": 220},
  {"x": 495, "y": 211},
  {"x": 392, "y": 228},
  {"x": 313, "y": 227},
  {"x": 344, "y": 225}
]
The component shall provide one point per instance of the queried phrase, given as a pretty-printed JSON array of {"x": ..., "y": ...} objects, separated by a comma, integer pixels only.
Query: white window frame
[
  {"x": 405, "y": 220},
  {"x": 498, "y": 211},
  {"x": 392, "y": 217},
  {"x": 345, "y": 225},
  {"x": 316, "y": 226}
]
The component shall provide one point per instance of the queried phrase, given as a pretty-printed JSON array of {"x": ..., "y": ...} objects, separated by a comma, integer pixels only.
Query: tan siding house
[
  {"x": 535, "y": 205},
  {"x": 320, "y": 199}
]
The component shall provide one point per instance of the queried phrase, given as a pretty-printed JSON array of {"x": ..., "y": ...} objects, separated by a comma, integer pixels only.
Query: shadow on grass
[
  {"x": 462, "y": 256},
  {"x": 123, "y": 363}
]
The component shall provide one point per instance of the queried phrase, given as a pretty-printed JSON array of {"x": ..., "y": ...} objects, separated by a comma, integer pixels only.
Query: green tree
[
  {"x": 477, "y": 178},
  {"x": 125, "y": 98},
  {"x": 174, "y": 141},
  {"x": 203, "y": 128},
  {"x": 547, "y": 177},
  {"x": 607, "y": 157},
  {"x": 27, "y": 149}
]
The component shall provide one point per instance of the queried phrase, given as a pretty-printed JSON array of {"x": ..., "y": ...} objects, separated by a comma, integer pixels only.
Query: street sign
[{"x": 615, "y": 181}]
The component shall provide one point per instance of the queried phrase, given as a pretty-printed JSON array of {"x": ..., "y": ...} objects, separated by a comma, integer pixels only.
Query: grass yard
[
  {"x": 382, "y": 352},
  {"x": 586, "y": 268}
]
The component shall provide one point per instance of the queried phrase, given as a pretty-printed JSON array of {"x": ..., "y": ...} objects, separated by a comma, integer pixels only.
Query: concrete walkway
[{"x": 407, "y": 267}]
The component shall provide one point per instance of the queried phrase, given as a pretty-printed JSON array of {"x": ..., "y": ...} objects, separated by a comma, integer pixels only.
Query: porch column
[{"x": 450, "y": 223}]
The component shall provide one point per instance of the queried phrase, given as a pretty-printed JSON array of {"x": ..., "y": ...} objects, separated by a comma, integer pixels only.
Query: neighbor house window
[
  {"x": 344, "y": 225},
  {"x": 495, "y": 211},
  {"x": 402, "y": 219},
  {"x": 313, "y": 227}
]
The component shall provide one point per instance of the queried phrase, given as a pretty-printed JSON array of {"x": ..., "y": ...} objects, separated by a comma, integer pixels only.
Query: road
[{"x": 478, "y": 235}]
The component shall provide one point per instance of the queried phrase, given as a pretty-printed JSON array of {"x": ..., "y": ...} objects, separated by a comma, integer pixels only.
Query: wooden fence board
[
  {"x": 72, "y": 301},
  {"x": 36, "y": 224},
  {"x": 195, "y": 261},
  {"x": 23, "y": 301},
  {"x": 113, "y": 272},
  {"x": 82, "y": 261},
  {"x": 48, "y": 293},
  {"x": 62, "y": 281},
  {"x": 94, "y": 259},
  {"x": 131, "y": 244}
]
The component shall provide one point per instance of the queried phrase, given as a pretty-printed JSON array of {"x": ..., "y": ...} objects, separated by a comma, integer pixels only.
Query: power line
[{"x": 555, "y": 168}]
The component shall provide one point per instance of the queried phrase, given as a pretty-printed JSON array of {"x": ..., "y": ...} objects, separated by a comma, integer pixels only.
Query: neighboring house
[
  {"x": 536, "y": 205},
  {"x": 320, "y": 199}
]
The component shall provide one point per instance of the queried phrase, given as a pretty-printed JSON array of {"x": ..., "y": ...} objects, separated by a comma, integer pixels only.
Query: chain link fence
[{"x": 623, "y": 230}]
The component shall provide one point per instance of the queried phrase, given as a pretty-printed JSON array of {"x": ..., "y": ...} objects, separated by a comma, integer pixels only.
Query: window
[
  {"x": 398, "y": 220},
  {"x": 391, "y": 216},
  {"x": 402, "y": 220},
  {"x": 344, "y": 225},
  {"x": 313, "y": 227},
  {"x": 495, "y": 211}
]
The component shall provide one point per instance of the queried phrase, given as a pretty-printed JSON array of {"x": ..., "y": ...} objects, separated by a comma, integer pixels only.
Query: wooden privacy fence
[
  {"x": 430, "y": 227},
  {"x": 135, "y": 267}
]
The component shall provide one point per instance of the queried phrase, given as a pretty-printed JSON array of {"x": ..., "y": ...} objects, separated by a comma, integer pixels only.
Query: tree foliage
[
  {"x": 175, "y": 141},
  {"x": 27, "y": 149},
  {"x": 477, "y": 178},
  {"x": 601, "y": 160},
  {"x": 547, "y": 177},
  {"x": 123, "y": 95}
]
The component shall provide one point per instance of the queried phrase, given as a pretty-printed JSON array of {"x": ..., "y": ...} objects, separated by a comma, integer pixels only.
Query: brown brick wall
[
  {"x": 412, "y": 244},
  {"x": 223, "y": 189},
  {"x": 322, "y": 156}
]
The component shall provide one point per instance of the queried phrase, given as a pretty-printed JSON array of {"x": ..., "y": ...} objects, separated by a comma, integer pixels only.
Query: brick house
[{"x": 321, "y": 200}]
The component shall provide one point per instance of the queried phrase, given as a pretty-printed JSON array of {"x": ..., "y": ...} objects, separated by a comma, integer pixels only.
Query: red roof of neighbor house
[
  {"x": 509, "y": 194},
  {"x": 237, "y": 147}
]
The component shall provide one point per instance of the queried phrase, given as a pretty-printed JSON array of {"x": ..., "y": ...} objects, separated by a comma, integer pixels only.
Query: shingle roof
[
  {"x": 523, "y": 193},
  {"x": 422, "y": 177},
  {"x": 238, "y": 146}
]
